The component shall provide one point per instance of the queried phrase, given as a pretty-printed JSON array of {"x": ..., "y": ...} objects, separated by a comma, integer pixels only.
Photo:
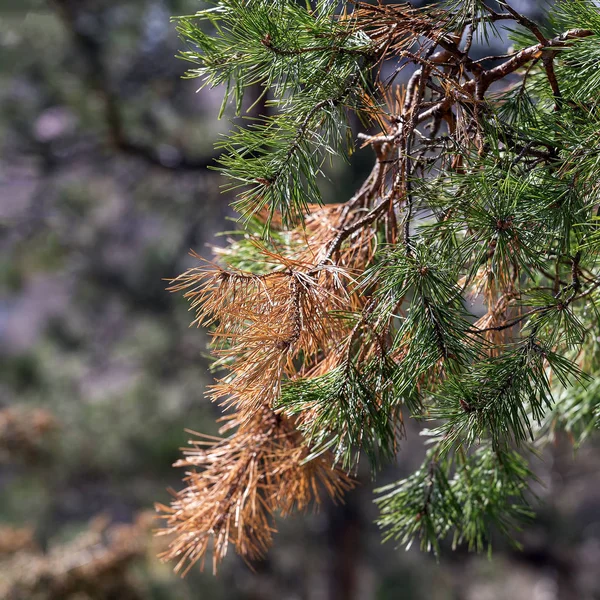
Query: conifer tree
[{"x": 457, "y": 286}]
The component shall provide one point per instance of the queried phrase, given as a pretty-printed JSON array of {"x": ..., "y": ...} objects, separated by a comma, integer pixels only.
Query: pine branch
[{"x": 333, "y": 322}]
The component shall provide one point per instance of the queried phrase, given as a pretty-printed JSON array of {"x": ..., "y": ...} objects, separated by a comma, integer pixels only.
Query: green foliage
[
  {"x": 461, "y": 12},
  {"x": 315, "y": 69},
  {"x": 350, "y": 410},
  {"x": 499, "y": 397},
  {"x": 435, "y": 325},
  {"x": 580, "y": 62},
  {"x": 245, "y": 250},
  {"x": 465, "y": 496}
]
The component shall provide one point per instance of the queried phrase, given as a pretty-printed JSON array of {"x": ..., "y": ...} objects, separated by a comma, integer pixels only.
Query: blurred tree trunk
[{"x": 346, "y": 533}]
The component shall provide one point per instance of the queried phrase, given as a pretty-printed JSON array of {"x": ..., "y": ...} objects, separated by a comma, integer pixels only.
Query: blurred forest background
[{"x": 103, "y": 190}]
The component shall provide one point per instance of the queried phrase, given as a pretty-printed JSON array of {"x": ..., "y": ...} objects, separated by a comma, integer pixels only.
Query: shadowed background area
[{"x": 104, "y": 188}]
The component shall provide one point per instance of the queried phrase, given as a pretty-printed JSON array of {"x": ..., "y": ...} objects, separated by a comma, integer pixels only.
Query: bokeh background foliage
[{"x": 103, "y": 190}]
